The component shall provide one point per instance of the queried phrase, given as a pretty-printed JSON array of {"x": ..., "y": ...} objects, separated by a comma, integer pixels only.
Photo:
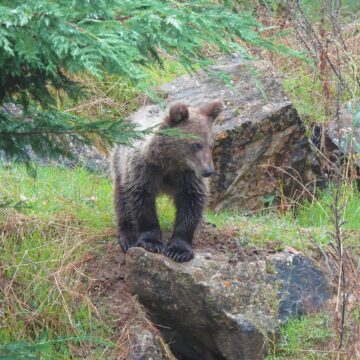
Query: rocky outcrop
[
  {"x": 215, "y": 307},
  {"x": 261, "y": 150}
]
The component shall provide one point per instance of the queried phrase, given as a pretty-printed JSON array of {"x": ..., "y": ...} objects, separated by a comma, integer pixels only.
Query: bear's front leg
[
  {"x": 190, "y": 202},
  {"x": 149, "y": 234},
  {"x": 151, "y": 240},
  {"x": 143, "y": 203}
]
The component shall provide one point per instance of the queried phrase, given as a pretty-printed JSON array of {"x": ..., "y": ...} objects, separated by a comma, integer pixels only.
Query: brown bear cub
[{"x": 177, "y": 166}]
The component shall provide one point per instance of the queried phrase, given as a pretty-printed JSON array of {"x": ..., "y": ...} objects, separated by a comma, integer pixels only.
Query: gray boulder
[{"x": 215, "y": 307}]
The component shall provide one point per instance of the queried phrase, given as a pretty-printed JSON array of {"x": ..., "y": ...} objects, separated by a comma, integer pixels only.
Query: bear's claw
[
  {"x": 154, "y": 246},
  {"x": 124, "y": 244},
  {"x": 179, "y": 251}
]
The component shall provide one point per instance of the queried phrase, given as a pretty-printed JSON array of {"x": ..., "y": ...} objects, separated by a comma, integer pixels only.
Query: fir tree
[{"x": 43, "y": 43}]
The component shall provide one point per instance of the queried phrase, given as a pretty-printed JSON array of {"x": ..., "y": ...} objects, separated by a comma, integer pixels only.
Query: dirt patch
[
  {"x": 227, "y": 241},
  {"x": 132, "y": 330}
]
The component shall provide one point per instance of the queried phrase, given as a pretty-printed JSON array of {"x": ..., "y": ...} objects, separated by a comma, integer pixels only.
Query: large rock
[
  {"x": 261, "y": 151},
  {"x": 216, "y": 308}
]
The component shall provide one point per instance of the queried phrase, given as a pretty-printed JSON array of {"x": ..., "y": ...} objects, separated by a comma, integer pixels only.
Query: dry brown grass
[{"x": 42, "y": 275}]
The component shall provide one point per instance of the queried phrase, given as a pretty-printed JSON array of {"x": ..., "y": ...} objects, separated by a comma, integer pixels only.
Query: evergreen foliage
[{"x": 44, "y": 43}]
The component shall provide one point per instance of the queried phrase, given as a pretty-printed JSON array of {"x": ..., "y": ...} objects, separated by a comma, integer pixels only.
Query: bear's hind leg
[
  {"x": 126, "y": 235},
  {"x": 126, "y": 231}
]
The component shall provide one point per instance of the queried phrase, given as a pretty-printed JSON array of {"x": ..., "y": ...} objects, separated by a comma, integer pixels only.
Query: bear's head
[{"x": 193, "y": 152}]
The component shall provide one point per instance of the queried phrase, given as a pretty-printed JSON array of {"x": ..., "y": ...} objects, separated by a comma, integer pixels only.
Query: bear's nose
[{"x": 208, "y": 172}]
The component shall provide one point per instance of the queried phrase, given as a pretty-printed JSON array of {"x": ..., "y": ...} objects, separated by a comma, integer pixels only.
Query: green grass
[
  {"x": 304, "y": 88},
  {"x": 84, "y": 196},
  {"x": 60, "y": 217},
  {"x": 263, "y": 230},
  {"x": 317, "y": 213},
  {"x": 305, "y": 338},
  {"x": 312, "y": 9},
  {"x": 160, "y": 75},
  {"x": 271, "y": 229}
]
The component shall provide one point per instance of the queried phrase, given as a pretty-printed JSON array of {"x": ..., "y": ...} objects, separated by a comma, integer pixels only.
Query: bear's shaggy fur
[{"x": 177, "y": 166}]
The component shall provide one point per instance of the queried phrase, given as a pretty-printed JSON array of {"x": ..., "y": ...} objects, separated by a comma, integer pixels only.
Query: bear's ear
[
  {"x": 177, "y": 113},
  {"x": 213, "y": 109}
]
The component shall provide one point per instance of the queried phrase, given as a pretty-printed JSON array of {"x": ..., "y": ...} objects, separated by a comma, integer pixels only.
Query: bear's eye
[{"x": 196, "y": 146}]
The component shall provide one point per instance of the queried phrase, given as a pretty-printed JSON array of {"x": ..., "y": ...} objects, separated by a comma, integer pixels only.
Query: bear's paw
[
  {"x": 179, "y": 250},
  {"x": 151, "y": 241}
]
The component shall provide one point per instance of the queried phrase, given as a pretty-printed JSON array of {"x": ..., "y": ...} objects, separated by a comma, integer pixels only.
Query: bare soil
[{"x": 114, "y": 303}]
